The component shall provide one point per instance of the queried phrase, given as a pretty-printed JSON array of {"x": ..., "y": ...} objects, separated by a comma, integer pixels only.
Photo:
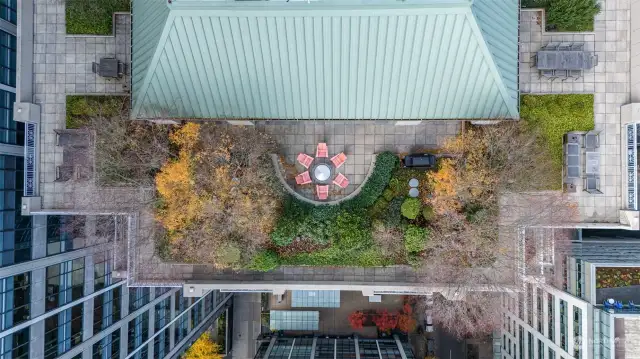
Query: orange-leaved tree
[{"x": 203, "y": 348}]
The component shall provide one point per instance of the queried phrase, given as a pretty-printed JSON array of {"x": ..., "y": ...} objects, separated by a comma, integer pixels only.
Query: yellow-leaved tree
[
  {"x": 203, "y": 348},
  {"x": 218, "y": 197}
]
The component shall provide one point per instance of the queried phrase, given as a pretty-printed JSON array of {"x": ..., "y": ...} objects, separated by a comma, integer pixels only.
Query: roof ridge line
[
  {"x": 146, "y": 82},
  {"x": 491, "y": 62}
]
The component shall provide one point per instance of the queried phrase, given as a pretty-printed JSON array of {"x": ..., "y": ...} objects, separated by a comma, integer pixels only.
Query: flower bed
[{"x": 614, "y": 277}]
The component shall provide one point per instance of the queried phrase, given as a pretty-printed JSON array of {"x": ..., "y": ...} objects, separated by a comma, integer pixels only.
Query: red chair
[
  {"x": 339, "y": 159},
  {"x": 341, "y": 181},
  {"x": 303, "y": 178},
  {"x": 305, "y": 159},
  {"x": 322, "y": 192},
  {"x": 322, "y": 150}
]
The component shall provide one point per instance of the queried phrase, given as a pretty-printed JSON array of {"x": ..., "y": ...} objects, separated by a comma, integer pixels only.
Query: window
[
  {"x": 161, "y": 290},
  {"x": 15, "y": 298},
  {"x": 108, "y": 347},
  {"x": 138, "y": 331},
  {"x": 16, "y": 229},
  {"x": 11, "y": 132},
  {"x": 161, "y": 344},
  {"x": 8, "y": 10},
  {"x": 65, "y": 233},
  {"x": 196, "y": 314},
  {"x": 552, "y": 354},
  {"x": 63, "y": 331},
  {"x": 163, "y": 313},
  {"x": 181, "y": 328},
  {"x": 65, "y": 283},
  {"x": 138, "y": 297},
  {"x": 7, "y": 59},
  {"x": 208, "y": 303},
  {"x": 106, "y": 309},
  {"x": 181, "y": 303},
  {"x": 16, "y": 345},
  {"x": 551, "y": 316},
  {"x": 102, "y": 269},
  {"x": 563, "y": 324}
]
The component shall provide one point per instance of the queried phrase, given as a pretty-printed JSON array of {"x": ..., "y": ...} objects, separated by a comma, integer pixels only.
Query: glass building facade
[{"x": 284, "y": 347}]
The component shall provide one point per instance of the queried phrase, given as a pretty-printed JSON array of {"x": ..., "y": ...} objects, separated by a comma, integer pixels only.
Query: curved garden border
[{"x": 279, "y": 170}]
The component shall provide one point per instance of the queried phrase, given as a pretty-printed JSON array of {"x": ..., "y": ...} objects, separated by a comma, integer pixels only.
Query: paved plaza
[
  {"x": 359, "y": 140},
  {"x": 609, "y": 81},
  {"x": 62, "y": 66}
]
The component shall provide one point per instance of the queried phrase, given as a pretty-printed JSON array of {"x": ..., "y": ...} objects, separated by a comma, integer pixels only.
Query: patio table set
[
  {"x": 564, "y": 60},
  {"x": 322, "y": 170}
]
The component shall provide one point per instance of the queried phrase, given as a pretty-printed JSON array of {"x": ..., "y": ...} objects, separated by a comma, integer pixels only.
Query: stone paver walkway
[
  {"x": 62, "y": 66},
  {"x": 609, "y": 82},
  {"x": 359, "y": 140}
]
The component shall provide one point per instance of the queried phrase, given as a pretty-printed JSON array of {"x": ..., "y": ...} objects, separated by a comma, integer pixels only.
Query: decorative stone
[
  {"x": 413, "y": 183},
  {"x": 414, "y": 192}
]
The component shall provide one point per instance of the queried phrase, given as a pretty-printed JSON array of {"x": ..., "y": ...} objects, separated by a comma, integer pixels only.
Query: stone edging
[
  {"x": 544, "y": 24},
  {"x": 113, "y": 27},
  {"x": 279, "y": 170}
]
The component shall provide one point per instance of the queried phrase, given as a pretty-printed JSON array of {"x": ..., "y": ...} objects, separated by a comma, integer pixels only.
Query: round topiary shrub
[
  {"x": 411, "y": 208},
  {"x": 428, "y": 213},
  {"x": 415, "y": 238}
]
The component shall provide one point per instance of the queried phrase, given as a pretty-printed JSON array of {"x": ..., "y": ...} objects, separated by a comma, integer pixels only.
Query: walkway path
[
  {"x": 609, "y": 82},
  {"x": 62, "y": 66}
]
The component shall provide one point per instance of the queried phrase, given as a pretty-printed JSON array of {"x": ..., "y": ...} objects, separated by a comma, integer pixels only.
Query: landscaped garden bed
[
  {"x": 614, "y": 277},
  {"x": 552, "y": 116},
  {"x": 566, "y": 15},
  {"x": 93, "y": 17},
  {"x": 81, "y": 109}
]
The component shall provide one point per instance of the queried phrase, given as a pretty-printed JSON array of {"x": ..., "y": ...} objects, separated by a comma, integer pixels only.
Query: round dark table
[{"x": 321, "y": 170}]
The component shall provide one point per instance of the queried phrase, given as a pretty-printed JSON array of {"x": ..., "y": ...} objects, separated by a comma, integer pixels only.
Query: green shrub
[
  {"x": 427, "y": 213},
  {"x": 353, "y": 230},
  {"x": 415, "y": 238},
  {"x": 396, "y": 187},
  {"x": 371, "y": 258},
  {"x": 286, "y": 230},
  {"x": 572, "y": 15},
  {"x": 392, "y": 217},
  {"x": 386, "y": 162},
  {"x": 93, "y": 17},
  {"x": 411, "y": 208},
  {"x": 81, "y": 108},
  {"x": 378, "y": 207},
  {"x": 319, "y": 231},
  {"x": 335, "y": 256},
  {"x": 388, "y": 194},
  {"x": 264, "y": 261}
]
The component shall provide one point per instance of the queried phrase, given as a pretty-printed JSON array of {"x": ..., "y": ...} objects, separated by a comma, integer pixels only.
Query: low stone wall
[{"x": 279, "y": 172}]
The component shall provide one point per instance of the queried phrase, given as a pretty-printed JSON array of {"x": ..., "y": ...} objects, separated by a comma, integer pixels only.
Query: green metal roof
[{"x": 330, "y": 59}]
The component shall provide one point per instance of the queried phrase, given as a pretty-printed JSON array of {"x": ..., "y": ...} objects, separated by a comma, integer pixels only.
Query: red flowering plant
[{"x": 356, "y": 320}]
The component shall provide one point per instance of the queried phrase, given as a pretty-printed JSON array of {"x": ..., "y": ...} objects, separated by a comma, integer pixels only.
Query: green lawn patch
[
  {"x": 81, "y": 108},
  {"x": 93, "y": 17},
  {"x": 554, "y": 116},
  {"x": 566, "y": 15}
]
